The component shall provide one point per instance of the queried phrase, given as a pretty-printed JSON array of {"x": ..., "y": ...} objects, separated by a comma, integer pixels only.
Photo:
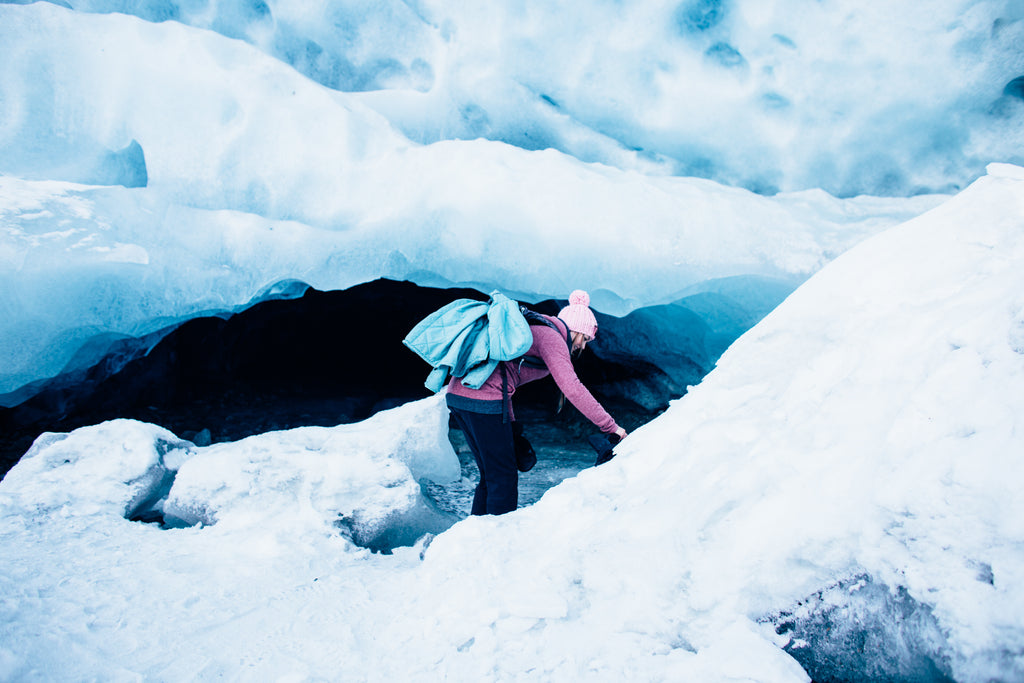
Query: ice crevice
[{"x": 861, "y": 629}]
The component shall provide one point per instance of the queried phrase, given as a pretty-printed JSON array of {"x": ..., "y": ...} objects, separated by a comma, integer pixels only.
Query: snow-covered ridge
[{"x": 866, "y": 428}]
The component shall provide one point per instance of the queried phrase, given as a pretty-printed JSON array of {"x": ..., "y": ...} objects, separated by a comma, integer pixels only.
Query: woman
[{"x": 480, "y": 413}]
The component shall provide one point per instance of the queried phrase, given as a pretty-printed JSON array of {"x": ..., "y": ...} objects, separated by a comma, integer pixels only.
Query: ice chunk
[
  {"x": 361, "y": 479},
  {"x": 120, "y": 467}
]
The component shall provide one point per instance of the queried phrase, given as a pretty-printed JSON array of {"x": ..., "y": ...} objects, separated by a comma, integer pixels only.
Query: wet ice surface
[{"x": 560, "y": 455}]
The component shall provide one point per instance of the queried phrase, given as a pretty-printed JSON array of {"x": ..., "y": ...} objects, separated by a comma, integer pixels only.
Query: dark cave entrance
[{"x": 320, "y": 358}]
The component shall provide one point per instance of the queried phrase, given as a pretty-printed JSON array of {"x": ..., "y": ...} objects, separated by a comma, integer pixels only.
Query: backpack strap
[
  {"x": 504, "y": 393},
  {"x": 534, "y": 318}
]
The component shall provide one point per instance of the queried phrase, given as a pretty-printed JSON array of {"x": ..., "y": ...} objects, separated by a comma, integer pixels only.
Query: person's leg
[
  {"x": 480, "y": 494},
  {"x": 490, "y": 439},
  {"x": 502, "y": 473}
]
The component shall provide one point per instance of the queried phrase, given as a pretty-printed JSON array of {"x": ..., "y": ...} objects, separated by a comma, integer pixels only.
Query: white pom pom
[{"x": 579, "y": 298}]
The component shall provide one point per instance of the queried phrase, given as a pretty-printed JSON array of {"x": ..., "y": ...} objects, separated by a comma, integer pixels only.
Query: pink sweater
[{"x": 551, "y": 347}]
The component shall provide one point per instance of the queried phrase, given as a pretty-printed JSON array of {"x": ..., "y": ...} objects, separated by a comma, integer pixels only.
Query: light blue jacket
[{"x": 467, "y": 339}]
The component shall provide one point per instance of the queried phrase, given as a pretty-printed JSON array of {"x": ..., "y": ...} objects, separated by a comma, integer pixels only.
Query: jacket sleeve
[{"x": 555, "y": 353}]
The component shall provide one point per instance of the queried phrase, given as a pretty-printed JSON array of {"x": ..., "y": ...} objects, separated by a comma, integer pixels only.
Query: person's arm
[{"x": 555, "y": 353}]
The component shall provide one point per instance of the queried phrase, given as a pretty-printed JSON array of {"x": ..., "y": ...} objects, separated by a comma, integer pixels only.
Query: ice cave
[{"x": 801, "y": 231}]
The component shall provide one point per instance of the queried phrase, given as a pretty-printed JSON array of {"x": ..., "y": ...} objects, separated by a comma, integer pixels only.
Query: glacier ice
[
  {"x": 79, "y": 262},
  {"x": 858, "y": 629},
  {"x": 213, "y": 211},
  {"x": 851, "y": 97}
]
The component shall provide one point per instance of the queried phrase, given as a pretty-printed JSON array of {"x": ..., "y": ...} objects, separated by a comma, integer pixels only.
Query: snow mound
[{"x": 362, "y": 479}]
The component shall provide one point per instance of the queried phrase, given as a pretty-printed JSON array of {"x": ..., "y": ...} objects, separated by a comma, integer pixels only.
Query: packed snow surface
[{"x": 868, "y": 427}]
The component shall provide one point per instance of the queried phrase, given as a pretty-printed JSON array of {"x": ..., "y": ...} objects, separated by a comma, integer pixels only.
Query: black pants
[{"x": 490, "y": 439}]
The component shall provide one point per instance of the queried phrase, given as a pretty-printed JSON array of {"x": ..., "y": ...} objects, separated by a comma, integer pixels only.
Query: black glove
[{"x": 604, "y": 444}]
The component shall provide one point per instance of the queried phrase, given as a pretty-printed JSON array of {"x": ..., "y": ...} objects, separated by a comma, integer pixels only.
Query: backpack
[
  {"x": 467, "y": 339},
  {"x": 534, "y": 318}
]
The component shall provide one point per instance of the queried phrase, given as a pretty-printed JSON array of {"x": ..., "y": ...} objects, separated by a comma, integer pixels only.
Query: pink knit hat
[{"x": 578, "y": 316}]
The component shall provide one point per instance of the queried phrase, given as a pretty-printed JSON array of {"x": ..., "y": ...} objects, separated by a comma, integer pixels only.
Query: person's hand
[{"x": 621, "y": 433}]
